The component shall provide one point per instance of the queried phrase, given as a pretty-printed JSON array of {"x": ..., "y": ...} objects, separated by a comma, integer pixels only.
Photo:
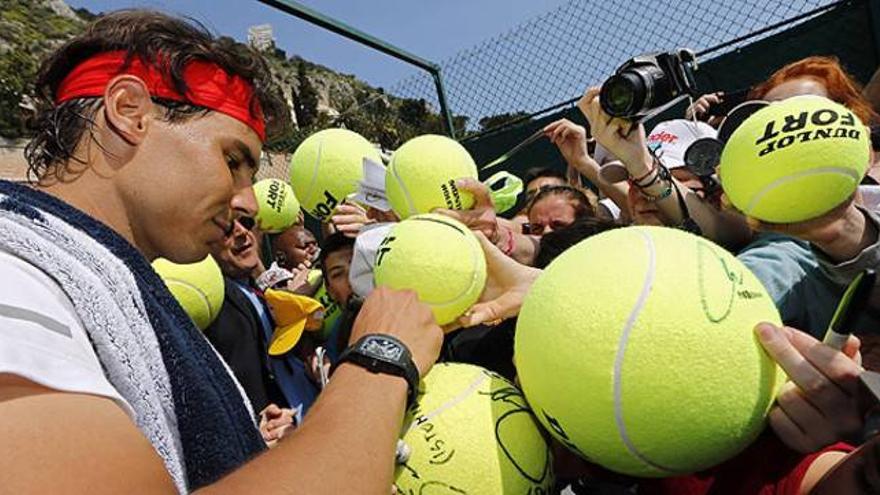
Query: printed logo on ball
[
  {"x": 323, "y": 210},
  {"x": 451, "y": 196},
  {"x": 781, "y": 133},
  {"x": 275, "y": 196},
  {"x": 384, "y": 248}
]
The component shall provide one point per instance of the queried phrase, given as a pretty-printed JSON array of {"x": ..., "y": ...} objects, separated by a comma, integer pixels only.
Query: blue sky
[
  {"x": 497, "y": 56},
  {"x": 433, "y": 30}
]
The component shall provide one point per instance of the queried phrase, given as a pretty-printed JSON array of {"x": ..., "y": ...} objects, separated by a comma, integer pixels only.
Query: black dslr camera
[{"x": 647, "y": 82}]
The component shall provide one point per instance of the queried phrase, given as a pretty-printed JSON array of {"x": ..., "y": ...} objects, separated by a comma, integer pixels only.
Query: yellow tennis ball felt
[
  {"x": 636, "y": 349},
  {"x": 422, "y": 174},
  {"x": 471, "y": 431},
  {"x": 437, "y": 257},
  {"x": 332, "y": 310},
  {"x": 326, "y": 167},
  {"x": 198, "y": 287},
  {"x": 278, "y": 206},
  {"x": 794, "y": 160}
]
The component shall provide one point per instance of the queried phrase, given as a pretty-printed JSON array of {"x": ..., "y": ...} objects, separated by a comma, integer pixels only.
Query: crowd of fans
[{"x": 147, "y": 164}]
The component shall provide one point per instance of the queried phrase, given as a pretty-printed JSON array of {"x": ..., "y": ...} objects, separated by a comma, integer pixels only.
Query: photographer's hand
[
  {"x": 620, "y": 137},
  {"x": 699, "y": 110}
]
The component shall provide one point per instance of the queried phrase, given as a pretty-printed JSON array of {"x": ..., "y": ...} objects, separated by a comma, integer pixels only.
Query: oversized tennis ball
[
  {"x": 472, "y": 431},
  {"x": 794, "y": 160},
  {"x": 422, "y": 174},
  {"x": 636, "y": 349},
  {"x": 332, "y": 310},
  {"x": 326, "y": 167},
  {"x": 437, "y": 257},
  {"x": 278, "y": 206},
  {"x": 198, "y": 287}
]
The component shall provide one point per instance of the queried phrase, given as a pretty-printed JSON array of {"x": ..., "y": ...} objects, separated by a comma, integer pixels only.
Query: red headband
[{"x": 208, "y": 85}]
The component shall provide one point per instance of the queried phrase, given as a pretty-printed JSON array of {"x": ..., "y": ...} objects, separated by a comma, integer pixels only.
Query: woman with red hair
[{"x": 822, "y": 76}]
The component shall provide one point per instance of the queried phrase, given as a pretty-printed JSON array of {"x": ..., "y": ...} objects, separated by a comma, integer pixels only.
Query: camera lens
[
  {"x": 634, "y": 90},
  {"x": 622, "y": 95}
]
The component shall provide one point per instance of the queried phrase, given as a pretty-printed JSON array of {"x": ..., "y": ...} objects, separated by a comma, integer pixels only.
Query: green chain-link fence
[{"x": 554, "y": 57}]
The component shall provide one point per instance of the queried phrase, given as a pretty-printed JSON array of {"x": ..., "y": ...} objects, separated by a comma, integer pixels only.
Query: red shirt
[{"x": 767, "y": 467}]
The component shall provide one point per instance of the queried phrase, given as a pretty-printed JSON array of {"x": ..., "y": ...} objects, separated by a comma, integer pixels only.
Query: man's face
[
  {"x": 551, "y": 213},
  {"x": 294, "y": 247},
  {"x": 240, "y": 253},
  {"x": 186, "y": 179},
  {"x": 336, "y": 267}
]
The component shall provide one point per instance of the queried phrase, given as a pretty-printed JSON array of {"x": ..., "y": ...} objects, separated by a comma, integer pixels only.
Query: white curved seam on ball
[
  {"x": 621, "y": 350},
  {"x": 406, "y": 195},
  {"x": 195, "y": 289},
  {"x": 803, "y": 173},
  {"x": 458, "y": 399},
  {"x": 311, "y": 189},
  {"x": 474, "y": 277},
  {"x": 476, "y": 250}
]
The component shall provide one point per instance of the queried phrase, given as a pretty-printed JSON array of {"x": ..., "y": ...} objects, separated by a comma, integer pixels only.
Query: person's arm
[
  {"x": 840, "y": 235},
  {"x": 571, "y": 140},
  {"x": 74, "y": 443},
  {"x": 507, "y": 284},
  {"x": 60, "y": 442},
  {"x": 503, "y": 233},
  {"x": 845, "y": 242},
  {"x": 357, "y": 418},
  {"x": 820, "y": 466},
  {"x": 628, "y": 143},
  {"x": 356, "y": 421}
]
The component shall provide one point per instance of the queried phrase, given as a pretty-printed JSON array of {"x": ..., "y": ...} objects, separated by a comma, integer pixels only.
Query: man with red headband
[{"x": 149, "y": 133}]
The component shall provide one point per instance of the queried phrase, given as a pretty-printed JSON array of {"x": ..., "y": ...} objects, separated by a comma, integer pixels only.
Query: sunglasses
[
  {"x": 247, "y": 223},
  {"x": 538, "y": 228}
]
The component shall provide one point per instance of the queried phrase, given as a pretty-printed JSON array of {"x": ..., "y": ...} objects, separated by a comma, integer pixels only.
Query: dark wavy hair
[
  {"x": 579, "y": 201},
  {"x": 158, "y": 39},
  {"x": 557, "y": 242}
]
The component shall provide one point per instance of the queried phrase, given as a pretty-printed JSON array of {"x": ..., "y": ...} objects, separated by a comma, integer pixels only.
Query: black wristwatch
[{"x": 380, "y": 353}]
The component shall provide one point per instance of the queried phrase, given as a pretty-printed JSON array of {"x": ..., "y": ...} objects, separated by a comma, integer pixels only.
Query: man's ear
[{"x": 128, "y": 108}]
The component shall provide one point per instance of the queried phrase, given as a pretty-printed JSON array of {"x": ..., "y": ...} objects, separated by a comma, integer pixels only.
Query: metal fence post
[{"x": 333, "y": 25}]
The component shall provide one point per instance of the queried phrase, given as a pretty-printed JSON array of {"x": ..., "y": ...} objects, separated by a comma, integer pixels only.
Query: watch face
[{"x": 383, "y": 348}]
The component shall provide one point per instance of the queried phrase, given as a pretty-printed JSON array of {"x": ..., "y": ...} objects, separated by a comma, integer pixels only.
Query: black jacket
[{"x": 237, "y": 336}]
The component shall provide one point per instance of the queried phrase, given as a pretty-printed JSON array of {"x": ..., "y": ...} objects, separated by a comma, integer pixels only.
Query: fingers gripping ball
[
  {"x": 471, "y": 431},
  {"x": 198, "y": 287},
  {"x": 326, "y": 168},
  {"x": 422, "y": 174},
  {"x": 653, "y": 368},
  {"x": 794, "y": 160},
  {"x": 278, "y": 206},
  {"x": 437, "y": 257}
]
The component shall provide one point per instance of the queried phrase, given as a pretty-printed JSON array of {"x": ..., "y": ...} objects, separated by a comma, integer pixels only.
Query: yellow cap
[{"x": 293, "y": 313}]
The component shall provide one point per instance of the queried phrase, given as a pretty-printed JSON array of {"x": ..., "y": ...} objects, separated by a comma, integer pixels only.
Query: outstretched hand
[
  {"x": 622, "y": 138},
  {"x": 819, "y": 406},
  {"x": 507, "y": 284},
  {"x": 481, "y": 217},
  {"x": 569, "y": 138}
]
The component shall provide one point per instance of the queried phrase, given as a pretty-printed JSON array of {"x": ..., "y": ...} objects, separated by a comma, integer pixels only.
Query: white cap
[
  {"x": 363, "y": 259},
  {"x": 669, "y": 140}
]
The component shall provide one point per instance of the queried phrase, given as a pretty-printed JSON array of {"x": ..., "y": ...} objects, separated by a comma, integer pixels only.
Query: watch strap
[{"x": 403, "y": 366}]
